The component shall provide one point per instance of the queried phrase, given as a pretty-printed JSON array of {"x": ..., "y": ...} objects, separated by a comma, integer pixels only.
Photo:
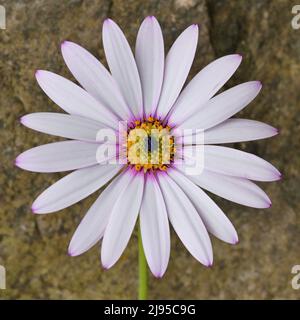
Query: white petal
[
  {"x": 122, "y": 65},
  {"x": 203, "y": 86},
  {"x": 58, "y": 156},
  {"x": 186, "y": 221},
  {"x": 236, "y": 130},
  {"x": 74, "y": 187},
  {"x": 63, "y": 125},
  {"x": 94, "y": 78},
  {"x": 155, "y": 228},
  {"x": 212, "y": 216},
  {"x": 235, "y": 189},
  {"x": 177, "y": 66},
  {"x": 150, "y": 56},
  {"x": 223, "y": 106},
  {"x": 73, "y": 99},
  {"x": 238, "y": 163},
  {"x": 122, "y": 220},
  {"x": 92, "y": 226}
]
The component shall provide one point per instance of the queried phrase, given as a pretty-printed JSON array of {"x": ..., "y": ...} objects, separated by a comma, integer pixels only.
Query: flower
[{"x": 146, "y": 91}]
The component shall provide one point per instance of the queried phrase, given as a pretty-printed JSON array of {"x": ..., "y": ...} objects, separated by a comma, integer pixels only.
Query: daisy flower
[{"x": 146, "y": 90}]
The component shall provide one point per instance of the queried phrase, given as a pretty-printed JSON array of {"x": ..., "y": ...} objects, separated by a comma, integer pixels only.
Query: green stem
[{"x": 143, "y": 271}]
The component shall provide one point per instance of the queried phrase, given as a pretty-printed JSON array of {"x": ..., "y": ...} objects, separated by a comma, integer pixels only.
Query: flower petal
[
  {"x": 238, "y": 163},
  {"x": 58, "y": 156},
  {"x": 74, "y": 187},
  {"x": 149, "y": 53},
  {"x": 212, "y": 216},
  {"x": 235, "y": 189},
  {"x": 203, "y": 86},
  {"x": 122, "y": 220},
  {"x": 186, "y": 221},
  {"x": 155, "y": 227},
  {"x": 92, "y": 226},
  {"x": 235, "y": 130},
  {"x": 238, "y": 130},
  {"x": 122, "y": 65},
  {"x": 73, "y": 99},
  {"x": 223, "y": 106},
  {"x": 94, "y": 78},
  {"x": 177, "y": 66},
  {"x": 63, "y": 125}
]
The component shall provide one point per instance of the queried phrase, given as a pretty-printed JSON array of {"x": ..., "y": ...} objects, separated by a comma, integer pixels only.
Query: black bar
[{"x": 171, "y": 309}]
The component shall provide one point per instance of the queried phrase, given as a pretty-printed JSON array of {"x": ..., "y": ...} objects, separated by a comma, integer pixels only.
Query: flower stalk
[{"x": 143, "y": 271}]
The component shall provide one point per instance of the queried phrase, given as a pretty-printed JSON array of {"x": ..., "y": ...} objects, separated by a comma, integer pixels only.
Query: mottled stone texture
[{"x": 33, "y": 248}]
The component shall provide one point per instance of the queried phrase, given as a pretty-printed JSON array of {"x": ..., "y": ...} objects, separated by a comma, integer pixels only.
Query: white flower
[{"x": 146, "y": 92}]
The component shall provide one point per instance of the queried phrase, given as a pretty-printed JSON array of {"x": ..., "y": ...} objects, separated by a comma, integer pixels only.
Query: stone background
[{"x": 33, "y": 248}]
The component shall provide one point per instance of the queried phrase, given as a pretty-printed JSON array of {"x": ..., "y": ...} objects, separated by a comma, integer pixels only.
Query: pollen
[{"x": 150, "y": 145}]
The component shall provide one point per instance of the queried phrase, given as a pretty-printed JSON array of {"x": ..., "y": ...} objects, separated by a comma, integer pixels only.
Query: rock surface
[{"x": 34, "y": 248}]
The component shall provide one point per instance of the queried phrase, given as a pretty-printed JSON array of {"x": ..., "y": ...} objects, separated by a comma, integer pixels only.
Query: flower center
[{"x": 150, "y": 145}]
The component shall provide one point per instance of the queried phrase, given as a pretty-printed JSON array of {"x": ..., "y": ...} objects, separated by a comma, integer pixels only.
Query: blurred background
[{"x": 33, "y": 249}]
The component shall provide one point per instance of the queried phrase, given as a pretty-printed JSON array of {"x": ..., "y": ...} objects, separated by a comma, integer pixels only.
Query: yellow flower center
[{"x": 150, "y": 145}]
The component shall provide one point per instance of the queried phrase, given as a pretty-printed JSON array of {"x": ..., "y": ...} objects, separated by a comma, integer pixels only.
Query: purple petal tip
[
  {"x": 69, "y": 253},
  {"x": 238, "y": 57},
  {"x": 107, "y": 20},
  {"x": 158, "y": 275},
  {"x": 33, "y": 209},
  {"x": 37, "y": 73},
  {"x": 105, "y": 268},
  {"x": 210, "y": 265},
  {"x": 259, "y": 84},
  {"x": 64, "y": 43}
]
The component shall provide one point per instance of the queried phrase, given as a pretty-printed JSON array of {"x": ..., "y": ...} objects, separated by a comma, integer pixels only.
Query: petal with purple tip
[
  {"x": 74, "y": 187},
  {"x": 155, "y": 228},
  {"x": 203, "y": 86},
  {"x": 92, "y": 226},
  {"x": 238, "y": 130},
  {"x": 186, "y": 221},
  {"x": 212, "y": 216},
  {"x": 122, "y": 65},
  {"x": 63, "y": 125},
  {"x": 223, "y": 106},
  {"x": 58, "y": 156},
  {"x": 94, "y": 77},
  {"x": 73, "y": 99},
  {"x": 149, "y": 53},
  {"x": 177, "y": 66},
  {"x": 238, "y": 163},
  {"x": 122, "y": 221},
  {"x": 234, "y": 189}
]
